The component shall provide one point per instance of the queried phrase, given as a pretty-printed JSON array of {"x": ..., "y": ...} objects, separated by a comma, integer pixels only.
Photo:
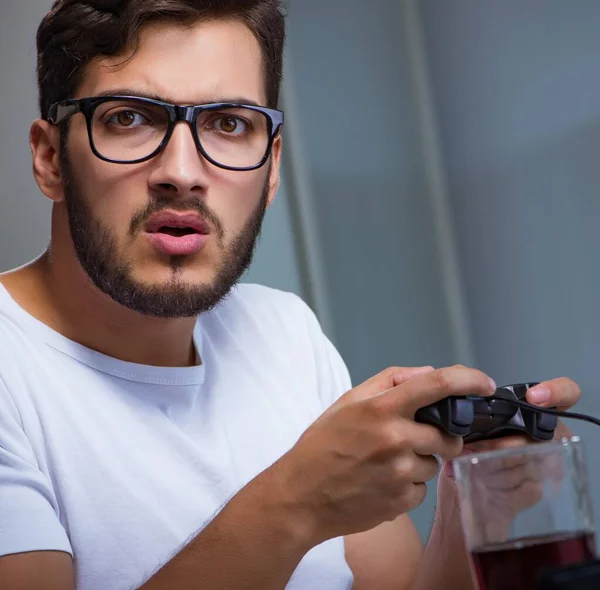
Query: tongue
[{"x": 177, "y": 231}]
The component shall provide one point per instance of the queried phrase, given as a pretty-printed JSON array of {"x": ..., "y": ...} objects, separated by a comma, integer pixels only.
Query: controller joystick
[{"x": 485, "y": 418}]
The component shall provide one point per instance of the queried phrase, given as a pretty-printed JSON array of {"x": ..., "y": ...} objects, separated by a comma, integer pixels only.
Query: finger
[
  {"x": 411, "y": 497},
  {"x": 562, "y": 431},
  {"x": 434, "y": 386},
  {"x": 403, "y": 374},
  {"x": 511, "y": 479},
  {"x": 387, "y": 379},
  {"x": 561, "y": 393},
  {"x": 414, "y": 469},
  {"x": 502, "y": 466},
  {"x": 449, "y": 463},
  {"x": 429, "y": 440},
  {"x": 498, "y": 444},
  {"x": 427, "y": 467}
]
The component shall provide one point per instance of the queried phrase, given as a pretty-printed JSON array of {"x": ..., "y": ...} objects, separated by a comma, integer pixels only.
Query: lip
[
  {"x": 178, "y": 245},
  {"x": 173, "y": 219},
  {"x": 184, "y": 245}
]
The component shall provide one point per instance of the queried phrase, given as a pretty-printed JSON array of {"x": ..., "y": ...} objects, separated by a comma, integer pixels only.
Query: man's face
[{"x": 109, "y": 205}]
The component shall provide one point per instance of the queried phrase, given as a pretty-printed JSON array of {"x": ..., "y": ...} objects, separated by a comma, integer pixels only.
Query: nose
[{"x": 180, "y": 168}]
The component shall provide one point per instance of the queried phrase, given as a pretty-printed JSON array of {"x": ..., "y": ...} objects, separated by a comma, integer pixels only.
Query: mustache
[{"x": 195, "y": 205}]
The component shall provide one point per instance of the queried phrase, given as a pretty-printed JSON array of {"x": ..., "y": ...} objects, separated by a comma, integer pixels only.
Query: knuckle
[
  {"x": 403, "y": 468},
  {"x": 452, "y": 446},
  {"x": 379, "y": 407},
  {"x": 433, "y": 469},
  {"x": 443, "y": 380},
  {"x": 483, "y": 378},
  {"x": 393, "y": 438},
  {"x": 416, "y": 495},
  {"x": 387, "y": 375}
]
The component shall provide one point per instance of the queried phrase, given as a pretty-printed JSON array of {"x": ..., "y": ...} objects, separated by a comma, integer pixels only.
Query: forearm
[
  {"x": 253, "y": 543},
  {"x": 445, "y": 562}
]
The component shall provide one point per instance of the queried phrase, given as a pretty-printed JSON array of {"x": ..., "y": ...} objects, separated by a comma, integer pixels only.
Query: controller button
[
  {"x": 547, "y": 422},
  {"x": 462, "y": 412},
  {"x": 502, "y": 408}
]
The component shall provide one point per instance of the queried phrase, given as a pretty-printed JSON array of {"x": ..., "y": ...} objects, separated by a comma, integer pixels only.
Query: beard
[{"x": 97, "y": 250}]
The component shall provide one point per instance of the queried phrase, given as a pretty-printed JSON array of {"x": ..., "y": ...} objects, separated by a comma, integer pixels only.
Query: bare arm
[
  {"x": 320, "y": 489},
  {"x": 255, "y": 542},
  {"x": 362, "y": 463},
  {"x": 385, "y": 558},
  {"x": 392, "y": 557},
  {"x": 44, "y": 570},
  {"x": 445, "y": 562}
]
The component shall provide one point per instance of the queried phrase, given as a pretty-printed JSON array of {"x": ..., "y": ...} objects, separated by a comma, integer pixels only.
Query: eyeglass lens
[{"x": 126, "y": 131}]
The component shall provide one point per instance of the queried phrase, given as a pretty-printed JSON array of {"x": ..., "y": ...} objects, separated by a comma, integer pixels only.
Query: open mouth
[
  {"x": 177, "y": 232},
  {"x": 178, "y": 237}
]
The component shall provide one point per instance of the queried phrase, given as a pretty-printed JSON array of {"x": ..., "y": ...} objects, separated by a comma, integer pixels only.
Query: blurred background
[{"x": 441, "y": 177}]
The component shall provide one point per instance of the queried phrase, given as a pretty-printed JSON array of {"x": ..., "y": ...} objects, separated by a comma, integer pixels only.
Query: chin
[{"x": 176, "y": 272}]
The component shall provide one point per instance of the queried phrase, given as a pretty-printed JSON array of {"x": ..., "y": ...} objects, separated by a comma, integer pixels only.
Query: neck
[{"x": 56, "y": 290}]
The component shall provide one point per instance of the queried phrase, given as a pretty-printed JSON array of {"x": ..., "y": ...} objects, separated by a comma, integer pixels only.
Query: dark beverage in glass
[
  {"x": 525, "y": 511},
  {"x": 518, "y": 564}
]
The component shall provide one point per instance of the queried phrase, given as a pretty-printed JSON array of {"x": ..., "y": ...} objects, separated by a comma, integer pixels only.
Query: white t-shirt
[{"x": 121, "y": 464}]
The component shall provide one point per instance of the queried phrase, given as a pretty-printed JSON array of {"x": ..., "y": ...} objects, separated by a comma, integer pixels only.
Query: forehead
[{"x": 187, "y": 64}]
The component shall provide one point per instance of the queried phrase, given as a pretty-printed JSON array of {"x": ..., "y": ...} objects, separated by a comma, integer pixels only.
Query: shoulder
[
  {"x": 16, "y": 362},
  {"x": 17, "y": 333},
  {"x": 13, "y": 339},
  {"x": 279, "y": 310},
  {"x": 260, "y": 296},
  {"x": 267, "y": 318},
  {"x": 13, "y": 371}
]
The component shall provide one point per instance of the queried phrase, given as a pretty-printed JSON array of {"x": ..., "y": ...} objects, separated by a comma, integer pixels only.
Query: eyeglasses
[{"x": 131, "y": 130}]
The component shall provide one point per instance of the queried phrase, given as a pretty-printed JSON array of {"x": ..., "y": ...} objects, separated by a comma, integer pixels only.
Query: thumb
[{"x": 387, "y": 379}]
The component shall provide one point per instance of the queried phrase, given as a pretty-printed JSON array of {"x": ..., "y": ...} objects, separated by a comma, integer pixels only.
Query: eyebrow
[{"x": 151, "y": 96}]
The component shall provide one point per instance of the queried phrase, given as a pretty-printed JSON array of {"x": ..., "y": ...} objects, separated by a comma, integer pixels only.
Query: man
[{"x": 160, "y": 425}]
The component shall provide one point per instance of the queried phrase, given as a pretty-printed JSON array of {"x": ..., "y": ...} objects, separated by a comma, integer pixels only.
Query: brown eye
[
  {"x": 126, "y": 118},
  {"x": 229, "y": 124}
]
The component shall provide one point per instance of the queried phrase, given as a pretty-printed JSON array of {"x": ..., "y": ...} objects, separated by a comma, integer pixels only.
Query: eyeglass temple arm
[{"x": 60, "y": 111}]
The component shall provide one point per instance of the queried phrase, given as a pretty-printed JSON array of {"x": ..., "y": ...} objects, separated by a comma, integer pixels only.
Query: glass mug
[{"x": 525, "y": 511}]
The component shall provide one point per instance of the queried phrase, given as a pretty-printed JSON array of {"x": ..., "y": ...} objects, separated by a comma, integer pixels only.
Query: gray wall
[
  {"x": 23, "y": 211},
  {"x": 362, "y": 144},
  {"x": 515, "y": 93},
  {"x": 353, "y": 96},
  {"x": 516, "y": 98}
]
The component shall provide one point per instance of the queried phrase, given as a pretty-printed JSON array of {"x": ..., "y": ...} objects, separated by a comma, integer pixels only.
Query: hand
[
  {"x": 366, "y": 460},
  {"x": 560, "y": 393},
  {"x": 517, "y": 485}
]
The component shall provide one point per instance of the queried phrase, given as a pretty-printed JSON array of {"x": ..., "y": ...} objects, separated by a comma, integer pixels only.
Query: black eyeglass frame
[{"x": 64, "y": 109}]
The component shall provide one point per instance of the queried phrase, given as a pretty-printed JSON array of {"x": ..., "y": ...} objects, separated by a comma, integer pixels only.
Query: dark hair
[{"x": 75, "y": 32}]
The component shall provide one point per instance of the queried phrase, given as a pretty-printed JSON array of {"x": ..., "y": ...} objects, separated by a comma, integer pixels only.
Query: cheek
[
  {"x": 238, "y": 201},
  {"x": 115, "y": 193},
  {"x": 113, "y": 201}
]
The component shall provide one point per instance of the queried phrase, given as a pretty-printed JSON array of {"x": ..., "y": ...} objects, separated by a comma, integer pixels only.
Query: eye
[
  {"x": 230, "y": 125},
  {"x": 127, "y": 119}
]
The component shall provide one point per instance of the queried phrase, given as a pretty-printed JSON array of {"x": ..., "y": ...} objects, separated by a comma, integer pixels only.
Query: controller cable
[{"x": 560, "y": 413}]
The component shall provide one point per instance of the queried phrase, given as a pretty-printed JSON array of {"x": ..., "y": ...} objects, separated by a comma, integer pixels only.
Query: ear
[
  {"x": 44, "y": 142},
  {"x": 275, "y": 174}
]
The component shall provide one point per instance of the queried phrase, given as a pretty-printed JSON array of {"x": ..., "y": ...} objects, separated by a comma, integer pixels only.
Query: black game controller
[{"x": 485, "y": 418}]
